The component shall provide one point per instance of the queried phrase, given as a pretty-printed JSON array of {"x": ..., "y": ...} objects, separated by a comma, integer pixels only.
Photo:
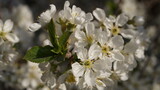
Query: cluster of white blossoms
[
  {"x": 14, "y": 73},
  {"x": 7, "y": 40},
  {"x": 100, "y": 50},
  {"x": 8, "y": 54},
  {"x": 31, "y": 80}
]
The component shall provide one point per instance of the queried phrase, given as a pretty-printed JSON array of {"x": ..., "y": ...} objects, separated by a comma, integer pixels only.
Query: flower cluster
[
  {"x": 8, "y": 54},
  {"x": 7, "y": 40},
  {"x": 92, "y": 51}
]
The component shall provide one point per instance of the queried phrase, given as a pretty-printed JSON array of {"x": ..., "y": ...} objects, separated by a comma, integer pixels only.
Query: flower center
[
  {"x": 114, "y": 76},
  {"x": 88, "y": 63},
  {"x": 74, "y": 14},
  {"x": 115, "y": 30},
  {"x": 70, "y": 78},
  {"x": 89, "y": 39},
  {"x": 106, "y": 50},
  {"x": 2, "y": 34}
]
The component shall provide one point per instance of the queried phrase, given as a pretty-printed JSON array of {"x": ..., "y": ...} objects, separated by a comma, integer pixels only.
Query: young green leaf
[
  {"x": 39, "y": 54},
  {"x": 64, "y": 38},
  {"x": 53, "y": 36}
]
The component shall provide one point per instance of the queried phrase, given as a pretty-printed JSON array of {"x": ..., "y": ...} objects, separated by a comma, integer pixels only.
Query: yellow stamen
[
  {"x": 70, "y": 78},
  {"x": 88, "y": 63},
  {"x": 90, "y": 39},
  {"x": 115, "y": 30},
  {"x": 2, "y": 34},
  {"x": 106, "y": 50}
]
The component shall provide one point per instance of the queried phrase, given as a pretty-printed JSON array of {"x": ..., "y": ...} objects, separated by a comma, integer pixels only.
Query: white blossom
[
  {"x": 110, "y": 47},
  {"x": 32, "y": 77},
  {"x": 6, "y": 32},
  {"x": 44, "y": 18},
  {"x": 87, "y": 37},
  {"x": 99, "y": 14},
  {"x": 74, "y": 15},
  {"x": 115, "y": 25}
]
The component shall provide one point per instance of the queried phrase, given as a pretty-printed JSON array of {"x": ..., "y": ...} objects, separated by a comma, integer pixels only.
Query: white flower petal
[
  {"x": 77, "y": 69},
  {"x": 82, "y": 53},
  {"x": 12, "y": 38},
  {"x": 122, "y": 19},
  {"x": 79, "y": 20},
  {"x": 130, "y": 59},
  {"x": 116, "y": 65},
  {"x": 131, "y": 47},
  {"x": 140, "y": 52},
  {"x": 89, "y": 17},
  {"x": 67, "y": 13},
  {"x": 89, "y": 78},
  {"x": 67, "y": 10},
  {"x": 45, "y": 17},
  {"x": 112, "y": 18},
  {"x": 62, "y": 87},
  {"x": 8, "y": 25},
  {"x": 128, "y": 33},
  {"x": 80, "y": 35},
  {"x": 81, "y": 44},
  {"x": 80, "y": 82},
  {"x": 132, "y": 66},
  {"x": 47, "y": 42},
  {"x": 101, "y": 65},
  {"x": 103, "y": 37},
  {"x": 34, "y": 27},
  {"x": 117, "y": 42},
  {"x": 25, "y": 82},
  {"x": 76, "y": 9},
  {"x": 109, "y": 82},
  {"x": 123, "y": 76},
  {"x": 34, "y": 83},
  {"x": 89, "y": 27},
  {"x": 99, "y": 14},
  {"x": 117, "y": 56},
  {"x": 119, "y": 66},
  {"x": 108, "y": 23},
  {"x": 100, "y": 84},
  {"x": 52, "y": 10},
  {"x": 108, "y": 61},
  {"x": 66, "y": 4},
  {"x": 94, "y": 51}
]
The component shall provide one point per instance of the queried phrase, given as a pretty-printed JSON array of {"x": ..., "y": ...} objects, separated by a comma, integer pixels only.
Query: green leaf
[
  {"x": 64, "y": 38},
  {"x": 53, "y": 36},
  {"x": 39, "y": 54}
]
